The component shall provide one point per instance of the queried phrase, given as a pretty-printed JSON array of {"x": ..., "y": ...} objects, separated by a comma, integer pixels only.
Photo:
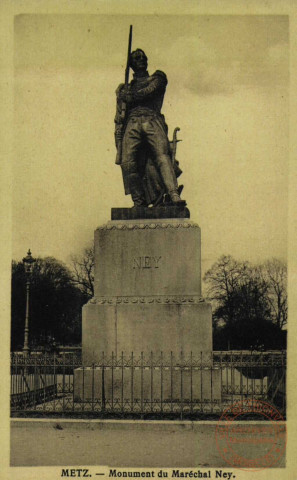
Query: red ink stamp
[{"x": 251, "y": 444}]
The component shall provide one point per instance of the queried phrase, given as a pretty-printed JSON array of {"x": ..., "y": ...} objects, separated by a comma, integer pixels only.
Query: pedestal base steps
[{"x": 138, "y": 384}]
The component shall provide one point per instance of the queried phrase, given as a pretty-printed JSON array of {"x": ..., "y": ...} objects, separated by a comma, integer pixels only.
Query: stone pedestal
[
  {"x": 146, "y": 327},
  {"x": 147, "y": 295},
  {"x": 144, "y": 258}
]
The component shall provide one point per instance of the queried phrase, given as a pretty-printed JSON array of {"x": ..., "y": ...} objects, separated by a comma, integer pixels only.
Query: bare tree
[
  {"x": 274, "y": 272},
  {"x": 225, "y": 277},
  {"x": 83, "y": 271},
  {"x": 249, "y": 303}
]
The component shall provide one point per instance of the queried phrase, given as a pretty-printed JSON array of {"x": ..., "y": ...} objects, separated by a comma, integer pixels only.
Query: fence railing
[{"x": 151, "y": 385}]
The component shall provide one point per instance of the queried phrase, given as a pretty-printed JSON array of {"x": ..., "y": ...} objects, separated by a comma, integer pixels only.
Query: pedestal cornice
[
  {"x": 147, "y": 224},
  {"x": 160, "y": 299}
]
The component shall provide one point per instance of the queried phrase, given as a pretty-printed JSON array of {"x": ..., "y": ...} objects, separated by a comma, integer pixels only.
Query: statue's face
[{"x": 138, "y": 61}]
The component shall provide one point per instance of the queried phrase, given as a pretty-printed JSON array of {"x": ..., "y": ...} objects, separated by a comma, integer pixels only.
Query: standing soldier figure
[{"x": 144, "y": 131}]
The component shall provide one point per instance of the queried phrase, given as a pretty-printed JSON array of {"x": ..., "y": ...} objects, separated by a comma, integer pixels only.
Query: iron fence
[{"x": 147, "y": 385}]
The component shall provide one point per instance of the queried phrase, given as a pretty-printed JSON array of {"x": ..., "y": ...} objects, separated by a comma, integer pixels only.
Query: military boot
[
  {"x": 169, "y": 179},
  {"x": 137, "y": 191},
  {"x": 175, "y": 198}
]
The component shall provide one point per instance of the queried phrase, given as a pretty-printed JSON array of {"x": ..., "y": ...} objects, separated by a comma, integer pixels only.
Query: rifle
[{"x": 124, "y": 105}]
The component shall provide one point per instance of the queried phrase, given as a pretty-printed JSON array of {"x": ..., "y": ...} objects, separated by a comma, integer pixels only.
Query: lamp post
[{"x": 28, "y": 263}]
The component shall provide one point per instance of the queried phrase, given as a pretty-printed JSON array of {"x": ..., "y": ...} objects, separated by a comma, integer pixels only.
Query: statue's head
[{"x": 138, "y": 60}]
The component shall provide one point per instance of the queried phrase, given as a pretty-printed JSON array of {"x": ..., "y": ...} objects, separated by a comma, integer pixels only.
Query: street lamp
[{"x": 28, "y": 263}]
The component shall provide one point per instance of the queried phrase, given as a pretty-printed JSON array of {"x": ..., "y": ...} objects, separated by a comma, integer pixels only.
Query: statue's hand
[
  {"x": 125, "y": 94},
  {"x": 118, "y": 137},
  {"x": 118, "y": 142}
]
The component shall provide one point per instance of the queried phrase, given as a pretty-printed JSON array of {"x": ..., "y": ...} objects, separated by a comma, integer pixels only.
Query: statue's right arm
[
  {"x": 118, "y": 133},
  {"x": 158, "y": 82}
]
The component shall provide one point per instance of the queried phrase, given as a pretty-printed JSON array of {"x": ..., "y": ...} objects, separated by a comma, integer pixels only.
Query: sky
[{"x": 228, "y": 81}]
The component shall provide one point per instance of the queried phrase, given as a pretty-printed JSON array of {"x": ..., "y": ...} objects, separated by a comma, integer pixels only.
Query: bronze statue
[{"x": 148, "y": 163}]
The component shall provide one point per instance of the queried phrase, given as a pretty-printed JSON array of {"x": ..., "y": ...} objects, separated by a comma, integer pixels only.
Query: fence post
[
  {"x": 152, "y": 379},
  {"x": 34, "y": 382},
  {"x": 83, "y": 388},
  {"x": 73, "y": 385},
  {"x": 240, "y": 380},
  {"x": 44, "y": 382},
  {"x": 141, "y": 386},
  {"x": 191, "y": 386},
  {"x": 103, "y": 384},
  {"x": 93, "y": 378},
  {"x": 201, "y": 383},
  {"x": 181, "y": 387},
  {"x": 63, "y": 381},
  {"x": 283, "y": 358},
  {"x": 112, "y": 378},
  {"x": 161, "y": 377},
  {"x": 171, "y": 381},
  {"x": 252, "y": 382},
  {"x": 54, "y": 380},
  {"x": 122, "y": 384},
  {"x": 211, "y": 382},
  {"x": 232, "y": 376},
  {"x": 132, "y": 382},
  {"x": 262, "y": 375}
]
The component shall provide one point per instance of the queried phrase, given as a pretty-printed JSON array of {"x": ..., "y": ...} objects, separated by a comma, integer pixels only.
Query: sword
[{"x": 173, "y": 143}]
